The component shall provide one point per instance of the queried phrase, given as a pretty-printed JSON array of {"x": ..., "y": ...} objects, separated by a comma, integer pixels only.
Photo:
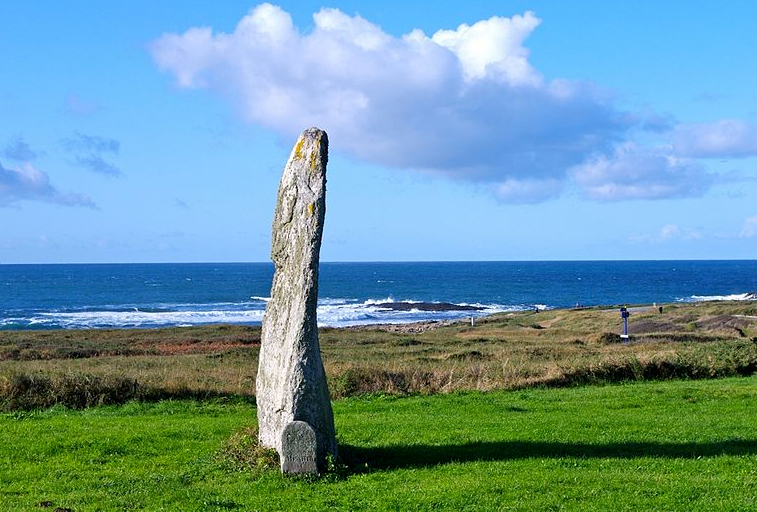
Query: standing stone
[{"x": 291, "y": 383}]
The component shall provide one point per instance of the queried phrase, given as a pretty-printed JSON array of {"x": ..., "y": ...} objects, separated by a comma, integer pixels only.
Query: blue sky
[{"x": 504, "y": 130}]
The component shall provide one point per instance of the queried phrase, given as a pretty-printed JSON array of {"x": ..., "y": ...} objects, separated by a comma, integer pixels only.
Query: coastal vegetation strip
[{"x": 506, "y": 351}]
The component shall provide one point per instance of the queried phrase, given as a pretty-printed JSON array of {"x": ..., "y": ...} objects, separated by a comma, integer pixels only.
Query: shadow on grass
[{"x": 361, "y": 459}]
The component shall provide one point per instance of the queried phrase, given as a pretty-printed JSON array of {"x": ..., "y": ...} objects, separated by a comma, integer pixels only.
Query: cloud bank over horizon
[{"x": 465, "y": 104}]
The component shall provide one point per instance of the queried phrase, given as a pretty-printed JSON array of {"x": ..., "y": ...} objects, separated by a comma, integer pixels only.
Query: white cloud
[
  {"x": 749, "y": 229},
  {"x": 727, "y": 138},
  {"x": 493, "y": 48},
  {"x": 94, "y": 143},
  {"x": 89, "y": 151},
  {"x": 634, "y": 172},
  {"x": 465, "y": 103},
  {"x": 27, "y": 183},
  {"x": 19, "y": 150},
  {"x": 98, "y": 164},
  {"x": 667, "y": 233},
  {"x": 673, "y": 232},
  {"x": 528, "y": 191}
]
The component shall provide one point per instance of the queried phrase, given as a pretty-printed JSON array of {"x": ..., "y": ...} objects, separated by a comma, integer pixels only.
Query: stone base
[{"x": 298, "y": 449}]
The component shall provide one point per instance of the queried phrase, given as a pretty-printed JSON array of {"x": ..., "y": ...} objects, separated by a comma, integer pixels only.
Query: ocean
[{"x": 103, "y": 296}]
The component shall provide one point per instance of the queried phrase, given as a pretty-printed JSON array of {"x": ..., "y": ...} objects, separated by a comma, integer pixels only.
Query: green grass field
[{"x": 677, "y": 445}]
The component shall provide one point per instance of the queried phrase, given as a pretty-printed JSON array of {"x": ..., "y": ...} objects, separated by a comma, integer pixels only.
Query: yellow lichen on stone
[
  {"x": 313, "y": 161},
  {"x": 311, "y": 209},
  {"x": 298, "y": 147},
  {"x": 315, "y": 154}
]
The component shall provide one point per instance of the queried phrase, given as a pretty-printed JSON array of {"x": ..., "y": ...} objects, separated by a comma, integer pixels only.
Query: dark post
[{"x": 624, "y": 314}]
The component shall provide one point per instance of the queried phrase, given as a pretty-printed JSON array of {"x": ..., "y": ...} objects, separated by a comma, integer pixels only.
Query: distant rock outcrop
[
  {"x": 427, "y": 306},
  {"x": 291, "y": 383}
]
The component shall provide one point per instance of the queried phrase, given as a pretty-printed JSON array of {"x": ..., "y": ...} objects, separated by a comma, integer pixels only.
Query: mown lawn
[{"x": 678, "y": 445}]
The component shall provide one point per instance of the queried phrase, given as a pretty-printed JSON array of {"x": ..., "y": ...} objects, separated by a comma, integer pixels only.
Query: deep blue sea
[{"x": 156, "y": 295}]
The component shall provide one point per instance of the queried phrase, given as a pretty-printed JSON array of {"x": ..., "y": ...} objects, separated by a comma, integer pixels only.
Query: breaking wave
[
  {"x": 344, "y": 313},
  {"x": 331, "y": 313},
  {"x": 737, "y": 296}
]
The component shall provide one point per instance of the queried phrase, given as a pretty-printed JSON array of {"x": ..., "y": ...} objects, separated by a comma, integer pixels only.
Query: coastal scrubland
[{"x": 561, "y": 347}]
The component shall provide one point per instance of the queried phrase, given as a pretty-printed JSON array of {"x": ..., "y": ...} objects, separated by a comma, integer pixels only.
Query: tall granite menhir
[{"x": 291, "y": 383}]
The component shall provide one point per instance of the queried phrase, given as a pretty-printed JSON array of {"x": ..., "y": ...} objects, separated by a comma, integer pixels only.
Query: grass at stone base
[{"x": 678, "y": 445}]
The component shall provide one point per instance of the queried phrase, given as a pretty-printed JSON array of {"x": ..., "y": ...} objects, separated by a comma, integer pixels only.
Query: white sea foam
[
  {"x": 386, "y": 300},
  {"x": 138, "y": 318},
  {"x": 332, "y": 312},
  {"x": 737, "y": 296},
  {"x": 369, "y": 312}
]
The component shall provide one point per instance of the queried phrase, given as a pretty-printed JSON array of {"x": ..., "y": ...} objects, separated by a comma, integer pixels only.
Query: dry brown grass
[{"x": 506, "y": 351}]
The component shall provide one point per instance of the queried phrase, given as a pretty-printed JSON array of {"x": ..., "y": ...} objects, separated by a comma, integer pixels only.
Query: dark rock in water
[
  {"x": 751, "y": 296},
  {"x": 298, "y": 449},
  {"x": 427, "y": 306}
]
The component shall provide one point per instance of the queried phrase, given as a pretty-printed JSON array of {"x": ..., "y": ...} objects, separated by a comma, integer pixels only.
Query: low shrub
[
  {"x": 76, "y": 391},
  {"x": 361, "y": 381},
  {"x": 242, "y": 452},
  {"x": 466, "y": 355},
  {"x": 607, "y": 338},
  {"x": 25, "y": 392},
  {"x": 693, "y": 365}
]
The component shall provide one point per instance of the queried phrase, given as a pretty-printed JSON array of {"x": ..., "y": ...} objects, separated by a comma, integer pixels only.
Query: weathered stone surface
[
  {"x": 291, "y": 383},
  {"x": 298, "y": 449}
]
